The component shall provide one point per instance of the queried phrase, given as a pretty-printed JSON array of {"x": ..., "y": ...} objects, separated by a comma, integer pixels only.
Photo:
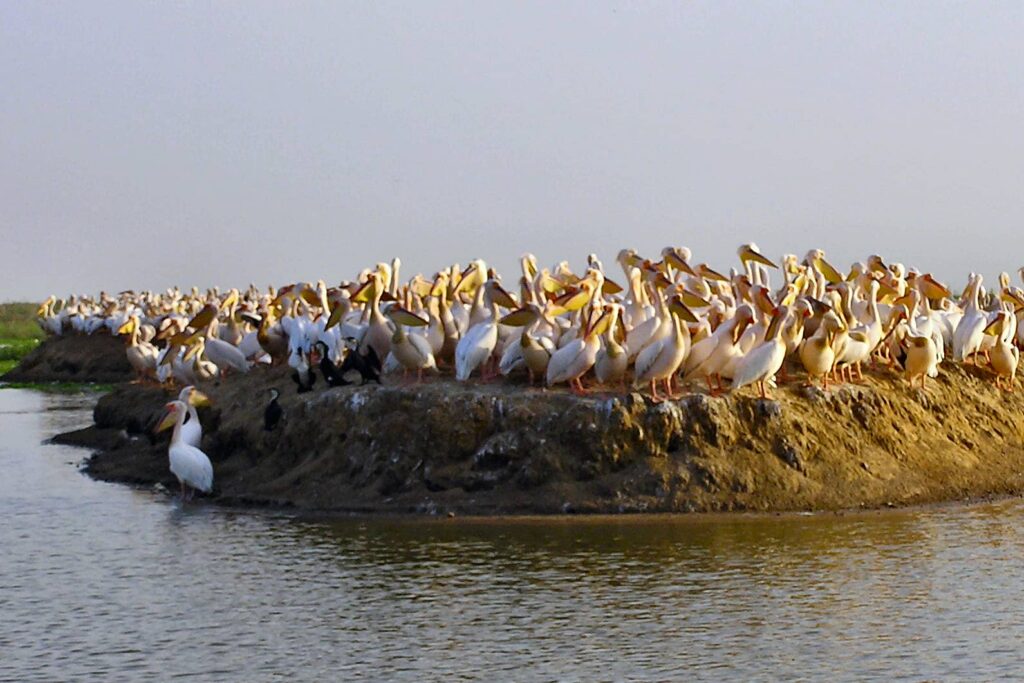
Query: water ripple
[{"x": 102, "y": 581}]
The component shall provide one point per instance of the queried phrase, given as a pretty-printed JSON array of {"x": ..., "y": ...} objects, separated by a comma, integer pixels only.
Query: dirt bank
[
  {"x": 74, "y": 358},
  {"x": 501, "y": 449}
]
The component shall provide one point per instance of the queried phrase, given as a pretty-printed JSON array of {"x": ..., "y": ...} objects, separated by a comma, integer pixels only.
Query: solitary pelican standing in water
[{"x": 189, "y": 464}]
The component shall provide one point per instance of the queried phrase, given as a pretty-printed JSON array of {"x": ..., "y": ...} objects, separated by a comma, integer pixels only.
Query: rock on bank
[{"x": 499, "y": 449}]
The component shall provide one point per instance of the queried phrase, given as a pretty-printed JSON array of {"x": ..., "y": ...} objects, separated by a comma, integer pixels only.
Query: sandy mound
[{"x": 504, "y": 448}]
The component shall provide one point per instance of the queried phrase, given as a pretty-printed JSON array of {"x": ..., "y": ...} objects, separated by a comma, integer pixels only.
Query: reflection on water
[{"x": 98, "y": 579}]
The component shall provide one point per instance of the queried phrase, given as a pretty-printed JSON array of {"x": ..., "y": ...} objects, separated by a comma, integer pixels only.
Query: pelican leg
[
  {"x": 182, "y": 491},
  {"x": 654, "y": 393},
  {"x": 670, "y": 394},
  {"x": 673, "y": 384}
]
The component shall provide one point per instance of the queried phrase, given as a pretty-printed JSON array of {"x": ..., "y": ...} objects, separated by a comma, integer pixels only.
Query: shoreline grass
[
  {"x": 19, "y": 333},
  {"x": 18, "y": 322}
]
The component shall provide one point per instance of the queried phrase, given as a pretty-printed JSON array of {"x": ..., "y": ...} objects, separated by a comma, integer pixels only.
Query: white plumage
[{"x": 189, "y": 464}]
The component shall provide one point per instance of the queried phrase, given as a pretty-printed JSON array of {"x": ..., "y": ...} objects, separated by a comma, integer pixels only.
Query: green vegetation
[
  {"x": 59, "y": 387},
  {"x": 19, "y": 333},
  {"x": 18, "y": 321}
]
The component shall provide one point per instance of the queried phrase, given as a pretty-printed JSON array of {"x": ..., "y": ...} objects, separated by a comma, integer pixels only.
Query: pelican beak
[
  {"x": 203, "y": 318},
  {"x": 519, "y": 318},
  {"x": 830, "y": 273},
  {"x": 694, "y": 300},
  {"x": 363, "y": 293},
  {"x": 502, "y": 297},
  {"x": 774, "y": 324},
  {"x": 403, "y": 316},
  {"x": 661, "y": 282},
  {"x": 709, "y": 274},
  {"x": 757, "y": 257},
  {"x": 169, "y": 419},
  {"x": 310, "y": 296},
  {"x": 679, "y": 308},
  {"x": 193, "y": 349},
  {"x": 611, "y": 287},
  {"x": 600, "y": 326},
  {"x": 335, "y": 317},
  {"x": 550, "y": 284},
  {"x": 198, "y": 399},
  {"x": 1012, "y": 296},
  {"x": 933, "y": 289},
  {"x": 127, "y": 328},
  {"x": 573, "y": 300},
  {"x": 677, "y": 262},
  {"x": 231, "y": 300}
]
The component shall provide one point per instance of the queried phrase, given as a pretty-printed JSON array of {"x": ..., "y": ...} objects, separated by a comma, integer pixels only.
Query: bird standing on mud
[
  {"x": 273, "y": 413},
  {"x": 189, "y": 464}
]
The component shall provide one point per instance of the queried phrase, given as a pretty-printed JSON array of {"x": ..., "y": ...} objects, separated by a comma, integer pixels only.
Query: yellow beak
[
  {"x": 757, "y": 257},
  {"x": 198, "y": 398},
  {"x": 169, "y": 421}
]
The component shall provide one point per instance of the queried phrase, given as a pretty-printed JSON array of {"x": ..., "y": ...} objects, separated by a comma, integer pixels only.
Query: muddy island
[{"x": 490, "y": 448}]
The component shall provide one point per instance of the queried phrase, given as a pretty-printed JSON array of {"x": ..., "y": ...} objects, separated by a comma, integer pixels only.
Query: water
[{"x": 103, "y": 582}]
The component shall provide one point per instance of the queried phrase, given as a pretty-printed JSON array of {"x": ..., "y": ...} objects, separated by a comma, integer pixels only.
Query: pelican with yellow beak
[
  {"x": 192, "y": 430},
  {"x": 572, "y": 361},
  {"x": 661, "y": 359},
  {"x": 142, "y": 355},
  {"x": 476, "y": 346},
  {"x": 1004, "y": 356},
  {"x": 412, "y": 351},
  {"x": 762, "y": 362},
  {"x": 190, "y": 465}
]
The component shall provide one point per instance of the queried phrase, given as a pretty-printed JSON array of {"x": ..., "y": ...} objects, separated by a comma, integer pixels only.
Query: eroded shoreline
[{"x": 484, "y": 449}]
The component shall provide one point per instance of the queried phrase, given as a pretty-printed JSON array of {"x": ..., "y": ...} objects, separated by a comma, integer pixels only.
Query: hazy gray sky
[{"x": 147, "y": 144}]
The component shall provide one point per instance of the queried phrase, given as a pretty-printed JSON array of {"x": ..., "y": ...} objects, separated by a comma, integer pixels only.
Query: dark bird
[
  {"x": 303, "y": 375},
  {"x": 273, "y": 414},
  {"x": 332, "y": 375},
  {"x": 366, "y": 363}
]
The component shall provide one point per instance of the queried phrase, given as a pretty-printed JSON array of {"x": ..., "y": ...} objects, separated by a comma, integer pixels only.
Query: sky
[{"x": 145, "y": 145}]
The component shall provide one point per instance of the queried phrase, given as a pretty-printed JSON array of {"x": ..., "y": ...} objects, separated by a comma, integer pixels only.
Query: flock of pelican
[{"x": 671, "y": 323}]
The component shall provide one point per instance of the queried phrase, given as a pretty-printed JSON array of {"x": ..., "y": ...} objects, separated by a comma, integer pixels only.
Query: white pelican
[
  {"x": 192, "y": 430},
  {"x": 968, "y": 335},
  {"x": 412, "y": 351},
  {"x": 817, "y": 353},
  {"x": 533, "y": 350},
  {"x": 1004, "y": 356},
  {"x": 141, "y": 355},
  {"x": 476, "y": 346},
  {"x": 612, "y": 359},
  {"x": 661, "y": 359},
  {"x": 189, "y": 464},
  {"x": 572, "y": 361},
  {"x": 724, "y": 351},
  {"x": 762, "y": 362}
]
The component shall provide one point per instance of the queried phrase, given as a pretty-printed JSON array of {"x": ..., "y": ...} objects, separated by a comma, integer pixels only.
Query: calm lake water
[{"x": 102, "y": 582}]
